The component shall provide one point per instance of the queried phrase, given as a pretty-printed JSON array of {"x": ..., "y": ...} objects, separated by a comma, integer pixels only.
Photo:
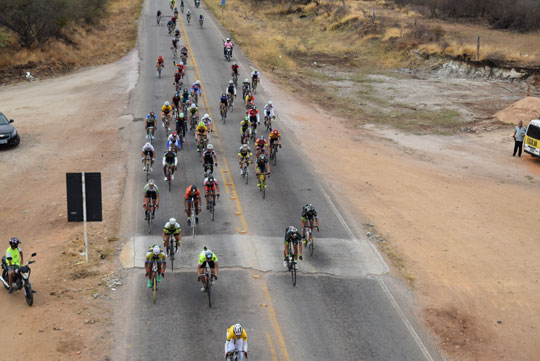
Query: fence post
[
  {"x": 372, "y": 15},
  {"x": 478, "y": 49},
  {"x": 415, "y": 33}
]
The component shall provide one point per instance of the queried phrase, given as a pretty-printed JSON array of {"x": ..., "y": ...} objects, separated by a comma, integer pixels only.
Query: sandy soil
[
  {"x": 455, "y": 216},
  {"x": 68, "y": 124}
]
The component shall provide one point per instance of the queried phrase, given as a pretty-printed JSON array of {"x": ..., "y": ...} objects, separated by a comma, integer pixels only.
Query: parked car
[{"x": 8, "y": 133}]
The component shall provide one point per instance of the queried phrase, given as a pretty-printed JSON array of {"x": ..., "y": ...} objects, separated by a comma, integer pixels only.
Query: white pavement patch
[{"x": 338, "y": 257}]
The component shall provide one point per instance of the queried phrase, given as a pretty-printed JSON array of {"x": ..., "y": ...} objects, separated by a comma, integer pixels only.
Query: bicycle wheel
[
  {"x": 275, "y": 156},
  {"x": 209, "y": 288},
  {"x": 293, "y": 273},
  {"x": 171, "y": 251},
  {"x": 212, "y": 207},
  {"x": 263, "y": 186},
  {"x": 246, "y": 172},
  {"x": 154, "y": 283},
  {"x": 310, "y": 246}
]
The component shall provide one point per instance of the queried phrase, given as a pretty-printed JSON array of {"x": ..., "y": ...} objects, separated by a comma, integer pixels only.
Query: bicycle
[
  {"x": 168, "y": 174},
  {"x": 291, "y": 263},
  {"x": 193, "y": 123},
  {"x": 273, "y": 152},
  {"x": 166, "y": 123},
  {"x": 309, "y": 239},
  {"x": 245, "y": 170},
  {"x": 268, "y": 122},
  {"x": 159, "y": 70},
  {"x": 262, "y": 184},
  {"x": 208, "y": 285},
  {"x": 233, "y": 356},
  {"x": 254, "y": 85},
  {"x": 174, "y": 53},
  {"x": 188, "y": 17},
  {"x": 150, "y": 214},
  {"x": 154, "y": 279},
  {"x": 192, "y": 218},
  {"x": 231, "y": 102},
  {"x": 158, "y": 19},
  {"x": 170, "y": 28},
  {"x": 171, "y": 249},
  {"x": 211, "y": 203},
  {"x": 203, "y": 142},
  {"x": 147, "y": 164},
  {"x": 151, "y": 134},
  {"x": 235, "y": 80},
  {"x": 223, "y": 112},
  {"x": 182, "y": 8}
]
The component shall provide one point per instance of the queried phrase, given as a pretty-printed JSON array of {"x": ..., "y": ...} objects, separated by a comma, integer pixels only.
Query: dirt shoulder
[
  {"x": 67, "y": 124},
  {"x": 450, "y": 217}
]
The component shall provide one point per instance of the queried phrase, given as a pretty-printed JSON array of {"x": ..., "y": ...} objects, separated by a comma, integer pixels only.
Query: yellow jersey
[
  {"x": 201, "y": 128},
  {"x": 166, "y": 109},
  {"x": 232, "y": 336}
]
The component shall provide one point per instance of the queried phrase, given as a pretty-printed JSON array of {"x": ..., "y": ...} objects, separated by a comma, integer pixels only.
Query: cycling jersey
[
  {"x": 196, "y": 89},
  {"x": 260, "y": 143},
  {"x": 170, "y": 158},
  {"x": 160, "y": 258},
  {"x": 273, "y": 136},
  {"x": 255, "y": 75},
  {"x": 148, "y": 190},
  {"x": 244, "y": 153},
  {"x": 208, "y": 156},
  {"x": 292, "y": 236},
  {"x": 261, "y": 164},
  {"x": 172, "y": 228},
  {"x": 176, "y": 100},
  {"x": 202, "y": 129},
  {"x": 234, "y": 68},
  {"x": 211, "y": 186},
  {"x": 231, "y": 90},
  {"x": 224, "y": 99},
  {"x": 308, "y": 214},
  {"x": 202, "y": 257},
  {"x": 149, "y": 148},
  {"x": 185, "y": 97},
  {"x": 188, "y": 195},
  {"x": 193, "y": 110},
  {"x": 166, "y": 109},
  {"x": 232, "y": 336}
]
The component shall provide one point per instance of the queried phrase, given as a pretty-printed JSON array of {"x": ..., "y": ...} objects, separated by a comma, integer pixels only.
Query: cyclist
[
  {"x": 175, "y": 12},
  {"x": 236, "y": 341},
  {"x": 196, "y": 90},
  {"x": 223, "y": 102},
  {"x": 155, "y": 254},
  {"x": 151, "y": 191},
  {"x": 188, "y": 15},
  {"x": 150, "y": 122},
  {"x": 181, "y": 4},
  {"x": 207, "y": 122},
  {"x": 262, "y": 166},
  {"x": 234, "y": 69},
  {"x": 209, "y": 158},
  {"x": 253, "y": 114},
  {"x": 227, "y": 45},
  {"x": 174, "y": 142},
  {"x": 192, "y": 195},
  {"x": 181, "y": 126},
  {"x": 201, "y": 133},
  {"x": 260, "y": 146},
  {"x": 268, "y": 110},
  {"x": 249, "y": 100},
  {"x": 207, "y": 256},
  {"x": 183, "y": 52},
  {"x": 231, "y": 90},
  {"x": 177, "y": 80},
  {"x": 244, "y": 155},
  {"x": 246, "y": 87},
  {"x": 169, "y": 160},
  {"x": 171, "y": 4},
  {"x": 245, "y": 129},
  {"x": 201, "y": 18},
  {"x": 166, "y": 109},
  {"x": 160, "y": 63},
  {"x": 194, "y": 111},
  {"x": 14, "y": 259},
  {"x": 185, "y": 96},
  {"x": 170, "y": 25},
  {"x": 211, "y": 185},
  {"x": 172, "y": 228},
  {"x": 181, "y": 68},
  {"x": 174, "y": 45},
  {"x": 158, "y": 16},
  {"x": 176, "y": 101},
  {"x": 148, "y": 149},
  {"x": 255, "y": 77},
  {"x": 274, "y": 137},
  {"x": 292, "y": 235},
  {"x": 173, "y": 19},
  {"x": 308, "y": 214}
]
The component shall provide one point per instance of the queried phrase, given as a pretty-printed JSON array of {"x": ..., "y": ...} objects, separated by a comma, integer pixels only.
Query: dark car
[{"x": 8, "y": 133}]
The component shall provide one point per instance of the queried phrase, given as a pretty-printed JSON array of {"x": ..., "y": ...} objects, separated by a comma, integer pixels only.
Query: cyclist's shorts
[
  {"x": 212, "y": 188},
  {"x": 191, "y": 198},
  {"x": 150, "y": 194},
  {"x": 211, "y": 264},
  {"x": 147, "y": 152},
  {"x": 151, "y": 124},
  {"x": 297, "y": 241}
]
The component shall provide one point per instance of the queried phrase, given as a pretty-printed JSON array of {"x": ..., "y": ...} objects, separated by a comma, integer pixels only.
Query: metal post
[
  {"x": 84, "y": 218},
  {"x": 478, "y": 49},
  {"x": 373, "y": 15}
]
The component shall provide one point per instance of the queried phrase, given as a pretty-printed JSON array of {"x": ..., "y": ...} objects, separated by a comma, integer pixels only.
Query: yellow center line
[
  {"x": 271, "y": 346},
  {"x": 275, "y": 323},
  {"x": 225, "y": 168}
]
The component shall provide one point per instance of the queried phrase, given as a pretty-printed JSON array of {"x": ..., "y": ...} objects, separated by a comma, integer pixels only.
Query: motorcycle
[
  {"x": 21, "y": 279},
  {"x": 228, "y": 54},
  {"x": 197, "y": 3}
]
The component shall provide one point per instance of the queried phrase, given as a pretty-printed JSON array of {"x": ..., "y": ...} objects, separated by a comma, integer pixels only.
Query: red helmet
[
  {"x": 174, "y": 134},
  {"x": 276, "y": 132}
]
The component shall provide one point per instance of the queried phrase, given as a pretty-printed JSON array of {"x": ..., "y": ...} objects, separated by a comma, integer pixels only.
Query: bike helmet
[
  {"x": 14, "y": 241},
  {"x": 231, "y": 82},
  {"x": 309, "y": 207},
  {"x": 181, "y": 63},
  {"x": 185, "y": 90},
  {"x": 246, "y": 80},
  {"x": 269, "y": 102},
  {"x": 292, "y": 229},
  {"x": 156, "y": 250},
  {"x": 246, "y": 118},
  {"x": 234, "y": 63},
  {"x": 228, "y": 39},
  {"x": 201, "y": 124},
  {"x": 172, "y": 221},
  {"x": 206, "y": 116},
  {"x": 238, "y": 330},
  {"x": 210, "y": 178},
  {"x": 223, "y": 95},
  {"x": 198, "y": 82},
  {"x": 209, "y": 147},
  {"x": 193, "y": 105},
  {"x": 261, "y": 137},
  {"x": 254, "y": 108},
  {"x": 276, "y": 132},
  {"x": 255, "y": 71},
  {"x": 174, "y": 134},
  {"x": 167, "y": 104},
  {"x": 262, "y": 157},
  {"x": 147, "y": 145},
  {"x": 208, "y": 254},
  {"x": 193, "y": 189},
  {"x": 244, "y": 146},
  {"x": 151, "y": 182}
]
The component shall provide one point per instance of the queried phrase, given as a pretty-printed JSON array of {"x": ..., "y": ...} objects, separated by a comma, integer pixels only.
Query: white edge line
[{"x": 381, "y": 282}]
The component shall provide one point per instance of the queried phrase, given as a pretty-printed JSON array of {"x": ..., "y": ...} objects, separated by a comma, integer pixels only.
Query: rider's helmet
[
  {"x": 193, "y": 105},
  {"x": 223, "y": 95},
  {"x": 172, "y": 221},
  {"x": 231, "y": 82},
  {"x": 234, "y": 63},
  {"x": 209, "y": 147},
  {"x": 261, "y": 138},
  {"x": 177, "y": 94},
  {"x": 292, "y": 229},
  {"x": 181, "y": 63},
  {"x": 262, "y": 157},
  {"x": 246, "y": 80},
  {"x": 276, "y": 132},
  {"x": 269, "y": 102},
  {"x": 14, "y": 241},
  {"x": 206, "y": 116},
  {"x": 246, "y": 118},
  {"x": 254, "y": 108},
  {"x": 210, "y": 178},
  {"x": 228, "y": 39},
  {"x": 147, "y": 145},
  {"x": 156, "y": 250},
  {"x": 198, "y": 82},
  {"x": 151, "y": 182},
  {"x": 255, "y": 71},
  {"x": 167, "y": 104},
  {"x": 185, "y": 90},
  {"x": 238, "y": 330},
  {"x": 244, "y": 146},
  {"x": 193, "y": 189},
  {"x": 201, "y": 124},
  {"x": 208, "y": 254},
  {"x": 174, "y": 134}
]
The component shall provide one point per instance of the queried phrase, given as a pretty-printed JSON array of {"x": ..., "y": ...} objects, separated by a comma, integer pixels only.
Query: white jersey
[
  {"x": 172, "y": 140},
  {"x": 149, "y": 147},
  {"x": 207, "y": 121},
  {"x": 269, "y": 110},
  {"x": 257, "y": 74},
  {"x": 168, "y": 226},
  {"x": 228, "y": 92}
]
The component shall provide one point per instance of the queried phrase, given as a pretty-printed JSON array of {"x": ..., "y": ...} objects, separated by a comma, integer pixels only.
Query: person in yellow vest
[{"x": 14, "y": 258}]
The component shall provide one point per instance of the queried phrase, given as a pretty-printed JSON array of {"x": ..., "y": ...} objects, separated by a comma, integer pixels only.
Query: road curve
[{"x": 341, "y": 307}]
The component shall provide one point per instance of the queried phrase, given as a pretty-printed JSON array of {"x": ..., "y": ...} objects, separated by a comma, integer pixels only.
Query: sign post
[
  {"x": 84, "y": 218},
  {"x": 222, "y": 7}
]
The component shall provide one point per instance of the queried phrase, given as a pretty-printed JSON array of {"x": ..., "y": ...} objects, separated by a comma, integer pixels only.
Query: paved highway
[{"x": 340, "y": 308}]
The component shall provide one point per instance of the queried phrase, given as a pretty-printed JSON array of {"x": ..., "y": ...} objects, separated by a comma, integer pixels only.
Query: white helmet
[
  {"x": 209, "y": 147},
  {"x": 206, "y": 116},
  {"x": 172, "y": 221},
  {"x": 198, "y": 82},
  {"x": 156, "y": 250},
  {"x": 238, "y": 330},
  {"x": 231, "y": 82},
  {"x": 147, "y": 145},
  {"x": 228, "y": 39},
  {"x": 167, "y": 104},
  {"x": 181, "y": 63},
  {"x": 193, "y": 105},
  {"x": 269, "y": 102},
  {"x": 246, "y": 80}
]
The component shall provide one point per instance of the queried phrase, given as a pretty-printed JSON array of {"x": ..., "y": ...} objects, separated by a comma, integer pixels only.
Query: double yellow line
[{"x": 230, "y": 187}]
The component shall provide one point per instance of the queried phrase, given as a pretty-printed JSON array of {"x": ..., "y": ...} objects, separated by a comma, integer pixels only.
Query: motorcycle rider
[
  {"x": 14, "y": 259},
  {"x": 227, "y": 45}
]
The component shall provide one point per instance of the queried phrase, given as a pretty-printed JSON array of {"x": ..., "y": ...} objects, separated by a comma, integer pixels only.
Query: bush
[
  {"x": 520, "y": 15},
  {"x": 34, "y": 22}
]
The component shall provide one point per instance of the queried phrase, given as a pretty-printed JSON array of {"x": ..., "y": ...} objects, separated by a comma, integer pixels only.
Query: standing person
[{"x": 519, "y": 134}]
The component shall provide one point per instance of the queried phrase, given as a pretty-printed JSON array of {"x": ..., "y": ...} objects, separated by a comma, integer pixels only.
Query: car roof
[{"x": 535, "y": 122}]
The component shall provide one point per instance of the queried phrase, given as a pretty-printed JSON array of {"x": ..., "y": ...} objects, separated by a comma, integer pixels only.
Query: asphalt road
[{"x": 340, "y": 308}]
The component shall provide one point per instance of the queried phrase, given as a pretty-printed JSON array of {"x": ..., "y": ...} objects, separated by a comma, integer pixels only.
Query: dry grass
[{"x": 105, "y": 43}]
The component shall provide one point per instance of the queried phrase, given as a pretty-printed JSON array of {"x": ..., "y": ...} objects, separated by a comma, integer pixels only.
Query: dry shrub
[{"x": 346, "y": 22}]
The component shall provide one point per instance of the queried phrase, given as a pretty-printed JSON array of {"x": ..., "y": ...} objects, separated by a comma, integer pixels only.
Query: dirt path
[
  {"x": 455, "y": 216},
  {"x": 67, "y": 124}
]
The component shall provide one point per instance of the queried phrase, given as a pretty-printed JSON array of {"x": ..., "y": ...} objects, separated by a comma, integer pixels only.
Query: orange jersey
[
  {"x": 274, "y": 136},
  {"x": 188, "y": 193}
]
